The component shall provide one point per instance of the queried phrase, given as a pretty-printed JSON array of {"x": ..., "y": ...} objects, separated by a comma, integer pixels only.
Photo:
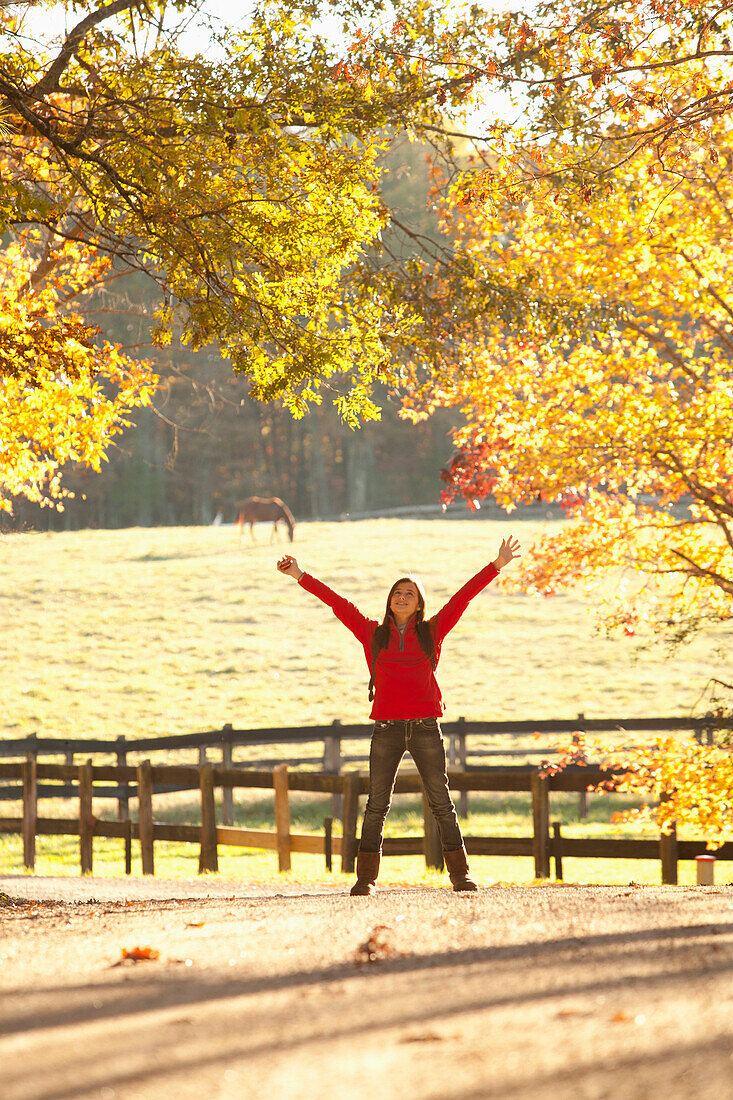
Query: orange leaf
[{"x": 138, "y": 954}]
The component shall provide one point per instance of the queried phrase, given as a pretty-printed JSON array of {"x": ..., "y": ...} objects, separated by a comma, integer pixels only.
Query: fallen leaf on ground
[
  {"x": 138, "y": 954},
  {"x": 196, "y": 924},
  {"x": 377, "y": 946}
]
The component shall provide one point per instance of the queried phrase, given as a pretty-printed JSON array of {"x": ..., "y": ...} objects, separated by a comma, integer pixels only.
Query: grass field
[
  {"x": 171, "y": 630},
  {"x": 153, "y": 631}
]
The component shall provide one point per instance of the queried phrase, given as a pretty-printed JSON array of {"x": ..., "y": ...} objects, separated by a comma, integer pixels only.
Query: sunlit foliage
[
  {"x": 64, "y": 393},
  {"x": 680, "y": 783},
  {"x": 628, "y": 423}
]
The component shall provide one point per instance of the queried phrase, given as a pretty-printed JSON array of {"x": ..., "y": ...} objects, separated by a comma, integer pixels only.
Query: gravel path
[{"x": 574, "y": 993}]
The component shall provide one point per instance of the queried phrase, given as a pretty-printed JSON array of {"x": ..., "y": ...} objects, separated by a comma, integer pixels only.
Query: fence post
[
  {"x": 30, "y": 810},
  {"x": 227, "y": 793},
  {"x": 209, "y": 855},
  {"x": 332, "y": 764},
  {"x": 583, "y": 795},
  {"x": 282, "y": 815},
  {"x": 432, "y": 848},
  {"x": 328, "y": 842},
  {"x": 463, "y": 800},
  {"x": 128, "y": 847},
  {"x": 203, "y": 758},
  {"x": 69, "y": 761},
  {"x": 668, "y": 856},
  {"x": 123, "y": 790},
  {"x": 145, "y": 816},
  {"x": 86, "y": 818},
  {"x": 541, "y": 823},
  {"x": 351, "y": 789},
  {"x": 557, "y": 849}
]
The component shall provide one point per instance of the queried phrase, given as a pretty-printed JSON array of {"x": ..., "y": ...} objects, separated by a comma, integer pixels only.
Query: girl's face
[{"x": 405, "y": 600}]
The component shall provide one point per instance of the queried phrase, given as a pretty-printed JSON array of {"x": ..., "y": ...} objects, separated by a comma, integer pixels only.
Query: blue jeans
[{"x": 422, "y": 738}]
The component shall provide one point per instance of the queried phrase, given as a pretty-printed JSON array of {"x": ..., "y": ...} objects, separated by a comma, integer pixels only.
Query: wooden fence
[
  {"x": 140, "y": 782},
  {"x": 460, "y": 736}
]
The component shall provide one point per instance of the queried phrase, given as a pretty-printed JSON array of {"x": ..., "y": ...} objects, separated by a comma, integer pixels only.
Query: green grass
[{"x": 163, "y": 631}]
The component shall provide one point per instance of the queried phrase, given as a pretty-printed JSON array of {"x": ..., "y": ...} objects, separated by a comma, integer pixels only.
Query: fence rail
[
  {"x": 141, "y": 782},
  {"x": 339, "y": 731}
]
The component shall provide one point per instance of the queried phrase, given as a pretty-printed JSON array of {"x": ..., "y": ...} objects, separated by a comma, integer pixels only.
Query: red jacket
[{"x": 404, "y": 681}]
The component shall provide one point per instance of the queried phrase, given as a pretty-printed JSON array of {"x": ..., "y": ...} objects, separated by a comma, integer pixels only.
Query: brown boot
[
  {"x": 457, "y": 866},
  {"x": 367, "y": 869}
]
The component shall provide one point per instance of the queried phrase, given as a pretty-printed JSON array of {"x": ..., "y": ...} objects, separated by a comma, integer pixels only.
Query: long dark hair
[{"x": 380, "y": 639}]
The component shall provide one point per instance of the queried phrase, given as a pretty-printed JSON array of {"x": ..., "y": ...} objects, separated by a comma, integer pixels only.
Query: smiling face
[{"x": 404, "y": 601}]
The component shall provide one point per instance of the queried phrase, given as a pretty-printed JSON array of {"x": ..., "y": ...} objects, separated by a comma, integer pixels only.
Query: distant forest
[{"x": 207, "y": 445}]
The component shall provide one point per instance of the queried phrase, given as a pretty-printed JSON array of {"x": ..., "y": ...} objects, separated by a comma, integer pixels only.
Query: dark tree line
[{"x": 161, "y": 474}]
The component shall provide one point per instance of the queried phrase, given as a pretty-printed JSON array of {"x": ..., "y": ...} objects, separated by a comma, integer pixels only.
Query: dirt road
[{"x": 574, "y": 993}]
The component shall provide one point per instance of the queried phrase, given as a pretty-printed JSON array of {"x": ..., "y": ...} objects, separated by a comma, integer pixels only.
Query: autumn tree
[{"x": 628, "y": 425}]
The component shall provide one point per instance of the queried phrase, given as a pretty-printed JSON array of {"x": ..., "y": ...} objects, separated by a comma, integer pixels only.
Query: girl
[{"x": 402, "y": 653}]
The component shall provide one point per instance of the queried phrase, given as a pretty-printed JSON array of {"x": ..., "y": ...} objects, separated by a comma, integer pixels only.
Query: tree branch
[
  {"x": 696, "y": 570},
  {"x": 50, "y": 82}
]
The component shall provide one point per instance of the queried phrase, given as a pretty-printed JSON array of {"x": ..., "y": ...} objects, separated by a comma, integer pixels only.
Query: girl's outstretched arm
[
  {"x": 350, "y": 615},
  {"x": 449, "y": 615}
]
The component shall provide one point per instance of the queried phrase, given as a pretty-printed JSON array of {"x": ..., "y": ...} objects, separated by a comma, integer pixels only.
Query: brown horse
[{"x": 264, "y": 510}]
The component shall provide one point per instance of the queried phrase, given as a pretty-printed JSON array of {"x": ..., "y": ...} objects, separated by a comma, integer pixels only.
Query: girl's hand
[
  {"x": 290, "y": 567},
  {"x": 507, "y": 552}
]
